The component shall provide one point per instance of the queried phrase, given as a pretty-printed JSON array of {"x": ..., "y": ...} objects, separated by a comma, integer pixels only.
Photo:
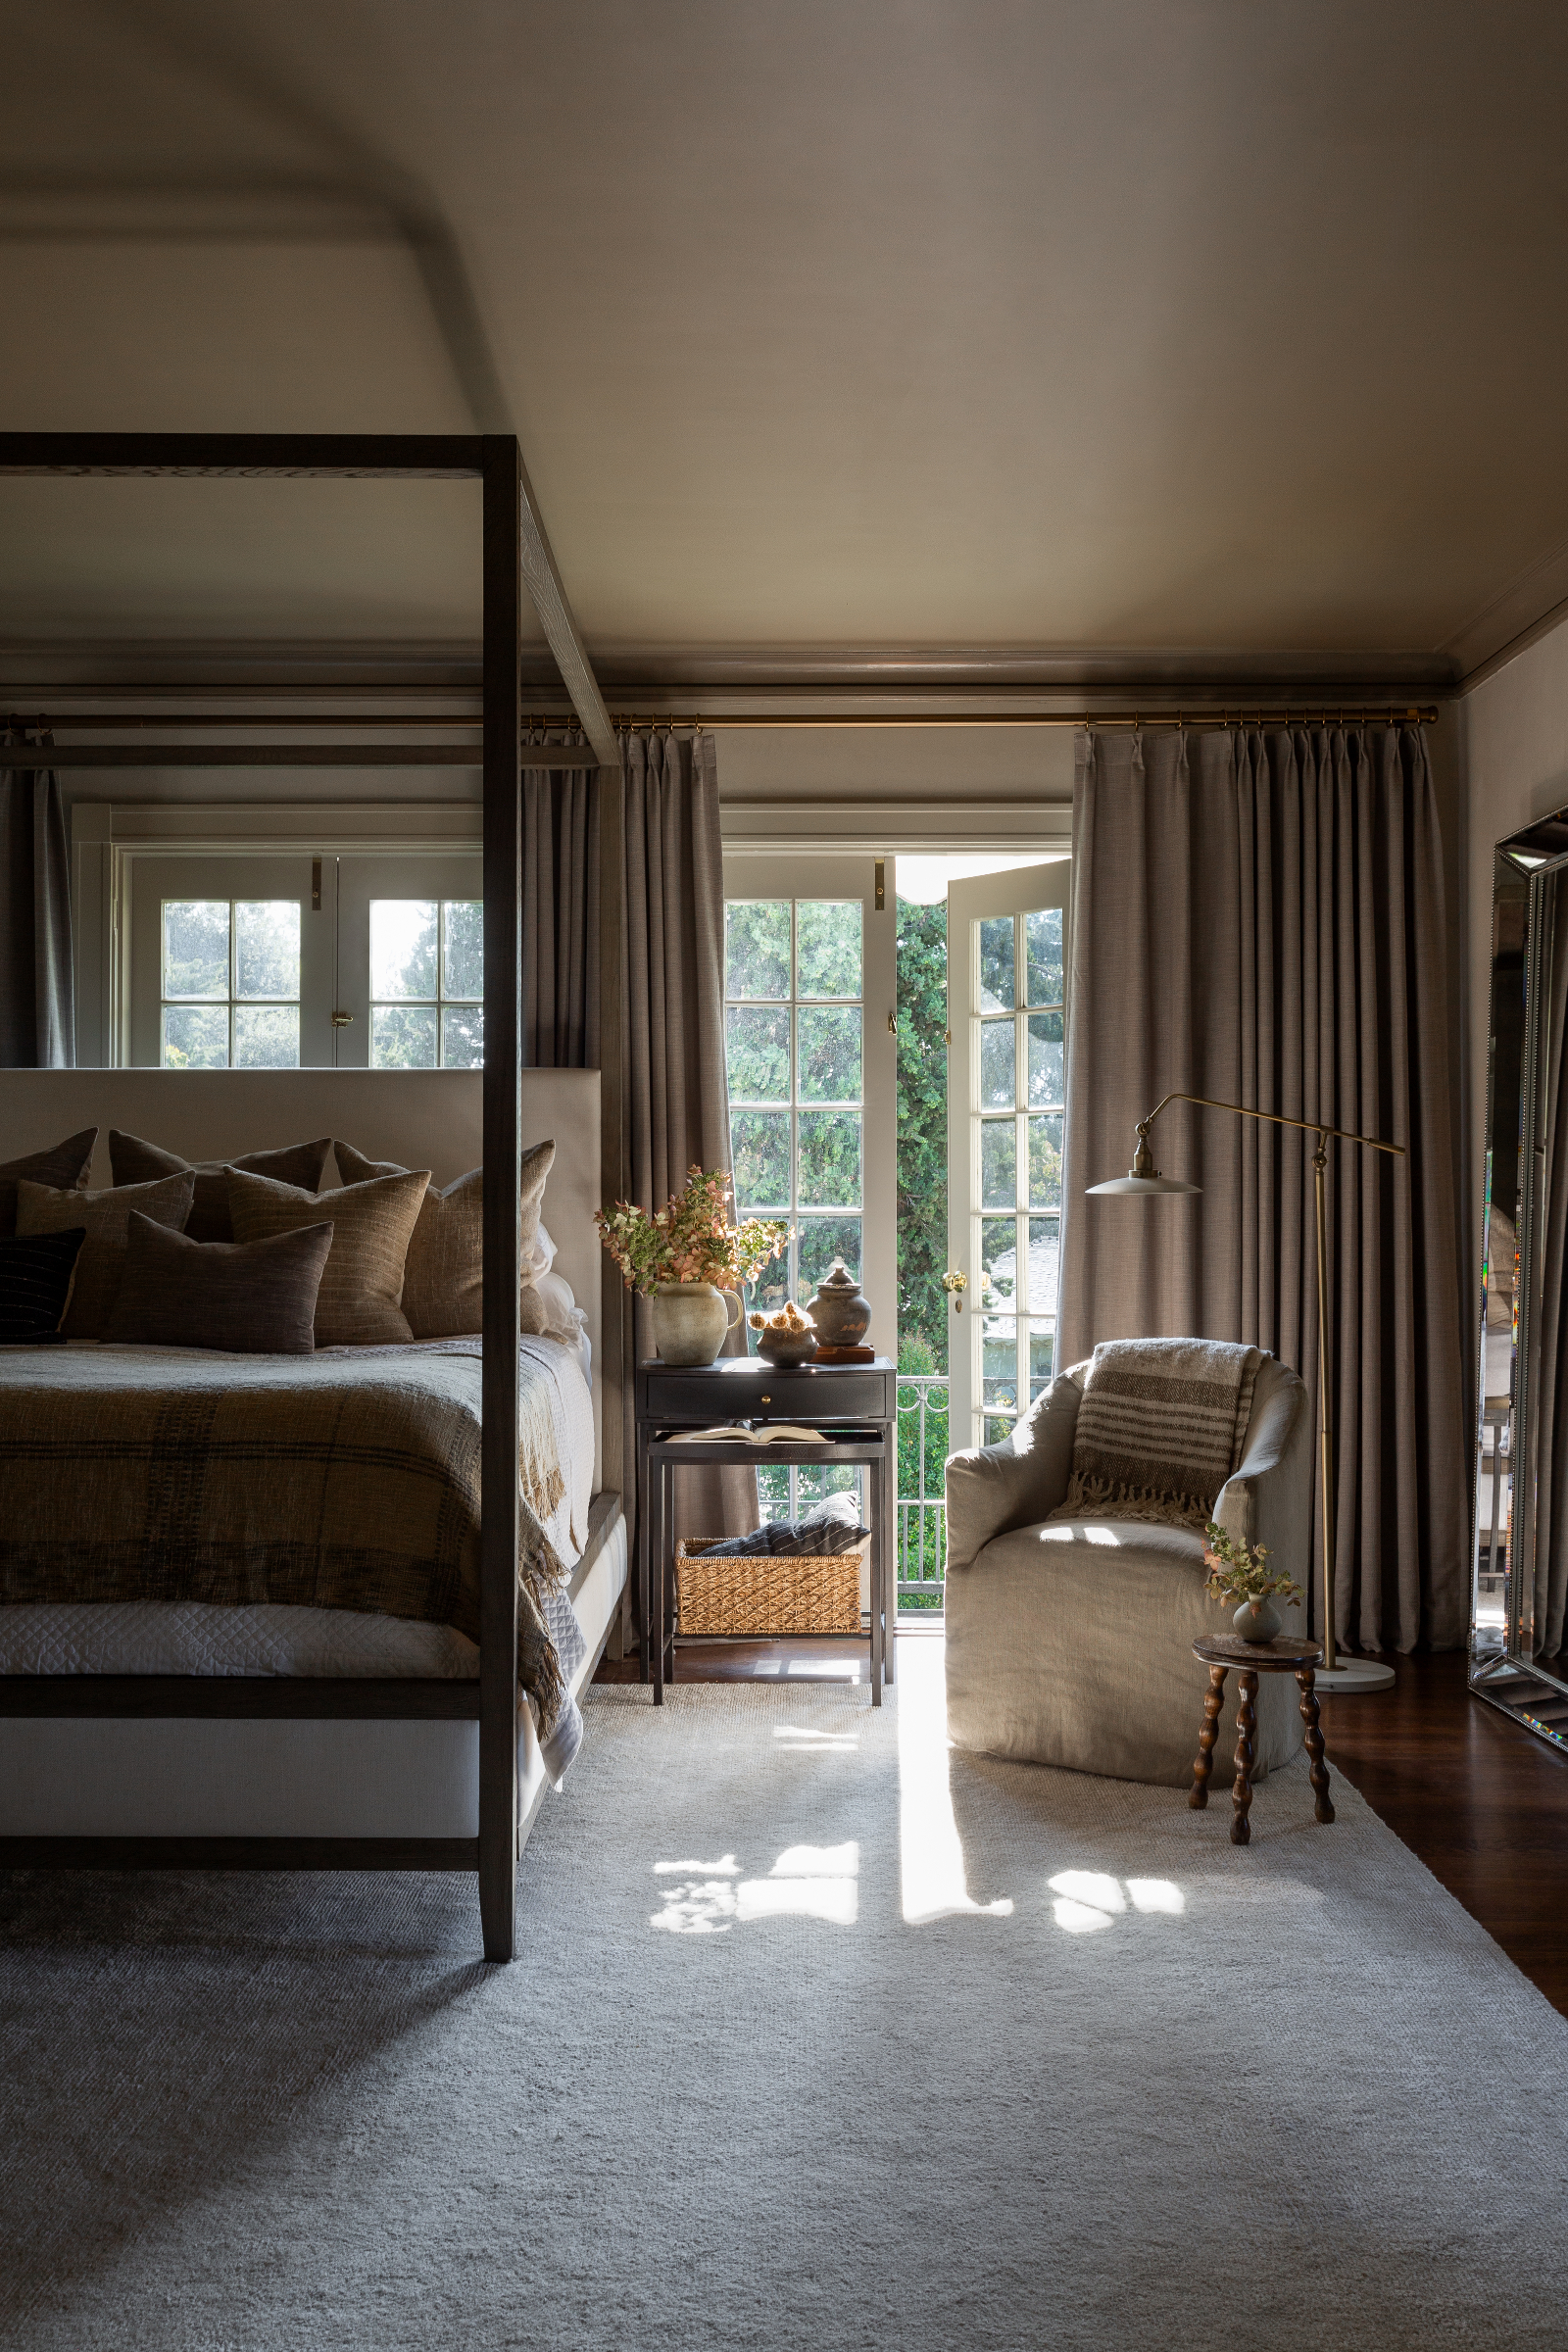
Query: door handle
[
  {"x": 342, "y": 1021},
  {"x": 955, "y": 1284}
]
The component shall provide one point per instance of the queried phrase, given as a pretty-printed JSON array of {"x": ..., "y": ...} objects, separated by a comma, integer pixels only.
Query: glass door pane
[
  {"x": 230, "y": 964},
  {"x": 1007, "y": 1099}
]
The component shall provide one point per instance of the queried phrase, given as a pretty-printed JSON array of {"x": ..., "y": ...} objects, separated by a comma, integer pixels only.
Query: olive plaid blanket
[{"x": 348, "y": 1479}]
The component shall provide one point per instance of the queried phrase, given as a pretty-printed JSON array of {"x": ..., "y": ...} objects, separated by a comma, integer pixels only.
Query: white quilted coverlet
[{"x": 184, "y": 1637}]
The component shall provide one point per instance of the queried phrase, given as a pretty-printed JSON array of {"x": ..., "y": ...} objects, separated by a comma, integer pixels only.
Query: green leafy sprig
[{"x": 1241, "y": 1572}]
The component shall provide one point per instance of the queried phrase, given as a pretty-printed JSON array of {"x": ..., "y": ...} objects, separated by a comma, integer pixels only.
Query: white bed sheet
[{"x": 178, "y": 1636}]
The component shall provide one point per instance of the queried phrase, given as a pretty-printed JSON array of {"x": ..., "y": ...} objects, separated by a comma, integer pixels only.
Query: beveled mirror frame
[{"x": 1507, "y": 1666}]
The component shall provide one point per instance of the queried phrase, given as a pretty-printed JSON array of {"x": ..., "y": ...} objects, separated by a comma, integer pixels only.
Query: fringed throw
[{"x": 1160, "y": 1429}]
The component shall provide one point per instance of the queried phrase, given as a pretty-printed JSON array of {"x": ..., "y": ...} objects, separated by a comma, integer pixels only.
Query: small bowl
[{"x": 786, "y": 1348}]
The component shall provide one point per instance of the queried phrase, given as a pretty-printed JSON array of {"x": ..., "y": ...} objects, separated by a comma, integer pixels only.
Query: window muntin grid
[
  {"x": 1018, "y": 1041},
  {"x": 426, "y": 987},
  {"x": 794, "y": 1040},
  {"x": 228, "y": 984}
]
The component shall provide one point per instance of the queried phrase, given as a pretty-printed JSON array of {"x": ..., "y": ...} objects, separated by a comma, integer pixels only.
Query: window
[
  {"x": 426, "y": 984},
  {"x": 1018, "y": 1000},
  {"x": 794, "y": 1021},
  {"x": 229, "y": 984}
]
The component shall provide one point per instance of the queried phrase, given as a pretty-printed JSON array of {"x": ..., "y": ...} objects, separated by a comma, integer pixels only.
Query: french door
[
  {"x": 1007, "y": 1096},
  {"x": 251, "y": 962}
]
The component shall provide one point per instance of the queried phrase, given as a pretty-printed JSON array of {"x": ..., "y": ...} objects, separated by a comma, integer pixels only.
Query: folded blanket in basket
[
  {"x": 833, "y": 1528},
  {"x": 1160, "y": 1429}
]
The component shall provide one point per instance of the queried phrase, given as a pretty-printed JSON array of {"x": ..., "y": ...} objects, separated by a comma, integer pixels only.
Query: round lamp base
[{"x": 1350, "y": 1677}]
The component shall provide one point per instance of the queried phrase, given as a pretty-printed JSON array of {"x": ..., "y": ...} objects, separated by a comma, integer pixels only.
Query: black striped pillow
[{"x": 36, "y": 1274}]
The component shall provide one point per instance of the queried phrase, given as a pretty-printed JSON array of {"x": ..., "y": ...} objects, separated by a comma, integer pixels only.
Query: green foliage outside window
[{"x": 922, "y": 1180}]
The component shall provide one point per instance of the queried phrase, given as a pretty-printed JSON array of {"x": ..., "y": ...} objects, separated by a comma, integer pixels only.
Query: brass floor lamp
[{"x": 1144, "y": 1179}]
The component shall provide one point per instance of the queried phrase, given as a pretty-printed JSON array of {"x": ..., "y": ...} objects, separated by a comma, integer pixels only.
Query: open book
[{"x": 766, "y": 1432}]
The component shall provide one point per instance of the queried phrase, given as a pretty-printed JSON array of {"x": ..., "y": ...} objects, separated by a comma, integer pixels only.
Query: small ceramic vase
[
  {"x": 690, "y": 1321},
  {"x": 841, "y": 1309},
  {"x": 1256, "y": 1621}
]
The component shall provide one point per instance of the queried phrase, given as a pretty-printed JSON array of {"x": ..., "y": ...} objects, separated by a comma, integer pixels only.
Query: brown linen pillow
[
  {"x": 356, "y": 1305},
  {"x": 64, "y": 1166},
  {"x": 105, "y": 1215},
  {"x": 135, "y": 1161},
  {"x": 245, "y": 1298},
  {"x": 442, "y": 1288}
]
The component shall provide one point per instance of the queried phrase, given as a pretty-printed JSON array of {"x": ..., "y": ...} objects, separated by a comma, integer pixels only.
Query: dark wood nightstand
[{"x": 858, "y": 1402}]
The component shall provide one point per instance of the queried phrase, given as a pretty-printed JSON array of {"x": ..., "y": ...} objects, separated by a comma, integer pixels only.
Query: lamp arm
[{"x": 1143, "y": 1162}]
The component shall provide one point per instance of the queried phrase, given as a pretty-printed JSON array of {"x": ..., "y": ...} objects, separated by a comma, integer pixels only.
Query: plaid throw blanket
[
  {"x": 348, "y": 1479},
  {"x": 1160, "y": 1429}
]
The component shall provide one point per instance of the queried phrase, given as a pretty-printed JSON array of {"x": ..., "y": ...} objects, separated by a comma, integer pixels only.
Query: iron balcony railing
[{"x": 922, "y": 1514}]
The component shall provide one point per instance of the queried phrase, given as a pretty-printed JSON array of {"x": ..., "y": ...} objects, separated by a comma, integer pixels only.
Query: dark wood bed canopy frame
[{"x": 495, "y": 461}]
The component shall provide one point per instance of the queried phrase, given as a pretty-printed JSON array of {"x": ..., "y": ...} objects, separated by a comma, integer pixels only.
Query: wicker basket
[{"x": 768, "y": 1593}]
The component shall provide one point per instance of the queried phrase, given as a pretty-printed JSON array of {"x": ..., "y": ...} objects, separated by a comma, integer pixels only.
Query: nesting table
[
  {"x": 856, "y": 1403},
  {"x": 1285, "y": 1654}
]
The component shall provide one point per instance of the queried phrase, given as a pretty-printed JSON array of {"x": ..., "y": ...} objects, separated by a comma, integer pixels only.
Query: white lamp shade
[{"x": 1142, "y": 1184}]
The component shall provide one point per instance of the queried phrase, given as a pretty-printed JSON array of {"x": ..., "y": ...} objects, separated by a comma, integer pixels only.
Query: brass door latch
[
  {"x": 342, "y": 1021},
  {"x": 955, "y": 1284}
]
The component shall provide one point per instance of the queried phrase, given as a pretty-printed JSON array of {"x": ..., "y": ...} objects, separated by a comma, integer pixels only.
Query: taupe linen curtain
[
  {"x": 1259, "y": 917},
  {"x": 37, "y": 1003},
  {"x": 678, "y": 1096},
  {"x": 560, "y": 816}
]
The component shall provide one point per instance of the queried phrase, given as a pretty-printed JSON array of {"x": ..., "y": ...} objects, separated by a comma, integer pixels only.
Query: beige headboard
[{"x": 423, "y": 1119}]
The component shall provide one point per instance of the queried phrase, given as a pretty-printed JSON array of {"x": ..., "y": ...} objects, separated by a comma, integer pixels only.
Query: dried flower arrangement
[
  {"x": 1241, "y": 1572},
  {"x": 691, "y": 1239}
]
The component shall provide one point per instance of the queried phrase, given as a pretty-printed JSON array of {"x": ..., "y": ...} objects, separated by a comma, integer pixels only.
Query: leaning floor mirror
[{"x": 1518, "y": 1644}]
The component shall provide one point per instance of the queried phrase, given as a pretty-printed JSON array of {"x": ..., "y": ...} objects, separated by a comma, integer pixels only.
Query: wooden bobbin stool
[{"x": 1285, "y": 1654}]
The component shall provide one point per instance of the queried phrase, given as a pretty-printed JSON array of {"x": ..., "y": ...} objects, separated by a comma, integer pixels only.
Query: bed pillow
[
  {"x": 245, "y": 1298},
  {"x": 105, "y": 1215},
  {"x": 36, "y": 1274},
  {"x": 442, "y": 1289},
  {"x": 64, "y": 1166},
  {"x": 135, "y": 1161},
  {"x": 356, "y": 1305}
]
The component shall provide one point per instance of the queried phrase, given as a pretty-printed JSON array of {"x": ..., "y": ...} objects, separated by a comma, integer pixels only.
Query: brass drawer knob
[{"x": 765, "y": 1401}]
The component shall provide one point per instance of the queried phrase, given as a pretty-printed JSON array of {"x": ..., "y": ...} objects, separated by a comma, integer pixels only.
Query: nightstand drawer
[{"x": 769, "y": 1394}]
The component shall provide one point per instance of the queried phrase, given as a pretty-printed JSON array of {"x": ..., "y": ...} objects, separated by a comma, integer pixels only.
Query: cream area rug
[{"x": 824, "y": 2036}]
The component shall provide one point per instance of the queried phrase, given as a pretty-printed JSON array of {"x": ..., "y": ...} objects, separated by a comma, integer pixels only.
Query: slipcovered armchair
[{"x": 1069, "y": 1642}]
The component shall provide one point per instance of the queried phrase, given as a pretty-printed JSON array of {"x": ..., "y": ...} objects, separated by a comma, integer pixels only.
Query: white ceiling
[{"x": 1181, "y": 337}]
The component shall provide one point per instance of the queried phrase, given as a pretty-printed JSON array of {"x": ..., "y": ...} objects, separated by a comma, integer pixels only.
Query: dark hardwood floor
[{"x": 1482, "y": 1802}]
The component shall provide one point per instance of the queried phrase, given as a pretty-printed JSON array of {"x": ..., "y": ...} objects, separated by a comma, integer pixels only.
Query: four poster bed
[{"x": 412, "y": 1721}]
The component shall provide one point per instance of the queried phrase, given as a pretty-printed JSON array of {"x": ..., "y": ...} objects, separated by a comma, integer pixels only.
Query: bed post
[{"x": 502, "y": 1176}]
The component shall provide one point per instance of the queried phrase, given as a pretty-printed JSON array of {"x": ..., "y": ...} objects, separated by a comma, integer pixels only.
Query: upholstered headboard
[{"x": 423, "y": 1119}]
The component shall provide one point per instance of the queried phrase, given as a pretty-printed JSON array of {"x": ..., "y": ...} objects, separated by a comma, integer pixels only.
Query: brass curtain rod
[
  {"x": 1325, "y": 714},
  {"x": 1241, "y": 716}
]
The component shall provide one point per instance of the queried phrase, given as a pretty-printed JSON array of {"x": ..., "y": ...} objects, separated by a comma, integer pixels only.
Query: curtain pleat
[
  {"x": 678, "y": 1094},
  {"x": 37, "y": 998},
  {"x": 1258, "y": 916},
  {"x": 560, "y": 916}
]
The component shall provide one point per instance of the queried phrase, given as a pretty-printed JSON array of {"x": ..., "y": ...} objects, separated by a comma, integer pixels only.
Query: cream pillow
[
  {"x": 357, "y": 1304},
  {"x": 442, "y": 1282},
  {"x": 106, "y": 1217}
]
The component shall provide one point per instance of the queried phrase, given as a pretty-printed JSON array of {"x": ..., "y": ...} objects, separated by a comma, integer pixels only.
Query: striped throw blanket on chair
[{"x": 1160, "y": 1429}]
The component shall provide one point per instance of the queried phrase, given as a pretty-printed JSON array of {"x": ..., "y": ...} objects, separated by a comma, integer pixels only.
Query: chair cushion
[{"x": 1070, "y": 1643}]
